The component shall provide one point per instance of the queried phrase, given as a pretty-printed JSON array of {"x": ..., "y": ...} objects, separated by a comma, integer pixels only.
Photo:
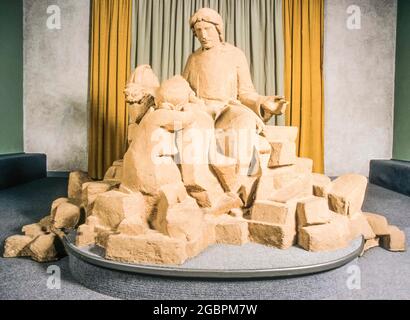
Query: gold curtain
[
  {"x": 303, "y": 28},
  {"x": 110, "y": 67}
]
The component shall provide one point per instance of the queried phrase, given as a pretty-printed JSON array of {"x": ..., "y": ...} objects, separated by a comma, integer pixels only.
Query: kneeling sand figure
[
  {"x": 150, "y": 160},
  {"x": 163, "y": 205}
]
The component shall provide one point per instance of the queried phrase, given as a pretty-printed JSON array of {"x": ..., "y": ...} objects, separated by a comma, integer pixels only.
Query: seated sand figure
[{"x": 219, "y": 74}]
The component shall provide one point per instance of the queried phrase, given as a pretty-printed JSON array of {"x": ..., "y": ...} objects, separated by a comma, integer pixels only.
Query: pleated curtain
[
  {"x": 303, "y": 30},
  {"x": 164, "y": 40},
  {"x": 110, "y": 67}
]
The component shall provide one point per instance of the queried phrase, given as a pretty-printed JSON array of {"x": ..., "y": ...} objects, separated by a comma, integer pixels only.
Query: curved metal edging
[{"x": 209, "y": 273}]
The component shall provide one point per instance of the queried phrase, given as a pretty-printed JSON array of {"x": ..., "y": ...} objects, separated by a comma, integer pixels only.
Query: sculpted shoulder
[
  {"x": 195, "y": 53},
  {"x": 236, "y": 53}
]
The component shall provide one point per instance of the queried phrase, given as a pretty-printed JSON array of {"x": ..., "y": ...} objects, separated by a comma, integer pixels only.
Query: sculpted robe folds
[{"x": 221, "y": 75}]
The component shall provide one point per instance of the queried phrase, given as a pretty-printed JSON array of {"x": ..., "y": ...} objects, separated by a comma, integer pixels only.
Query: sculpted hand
[{"x": 275, "y": 105}]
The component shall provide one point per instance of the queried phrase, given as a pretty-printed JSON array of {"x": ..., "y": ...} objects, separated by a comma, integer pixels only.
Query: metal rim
[{"x": 211, "y": 273}]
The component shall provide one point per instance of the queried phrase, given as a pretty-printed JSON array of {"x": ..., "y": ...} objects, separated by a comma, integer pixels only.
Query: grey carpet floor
[{"x": 379, "y": 274}]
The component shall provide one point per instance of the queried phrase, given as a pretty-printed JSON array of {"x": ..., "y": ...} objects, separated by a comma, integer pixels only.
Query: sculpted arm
[
  {"x": 247, "y": 94},
  {"x": 264, "y": 106}
]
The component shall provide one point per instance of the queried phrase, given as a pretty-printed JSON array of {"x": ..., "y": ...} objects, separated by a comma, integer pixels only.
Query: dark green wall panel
[
  {"x": 401, "y": 148},
  {"x": 11, "y": 76}
]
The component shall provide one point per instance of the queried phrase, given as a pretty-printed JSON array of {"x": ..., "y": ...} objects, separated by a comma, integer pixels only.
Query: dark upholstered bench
[
  {"x": 20, "y": 168},
  {"x": 391, "y": 174}
]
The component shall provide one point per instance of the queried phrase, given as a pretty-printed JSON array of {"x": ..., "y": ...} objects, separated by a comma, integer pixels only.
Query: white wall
[
  {"x": 359, "y": 85},
  {"x": 56, "y": 83}
]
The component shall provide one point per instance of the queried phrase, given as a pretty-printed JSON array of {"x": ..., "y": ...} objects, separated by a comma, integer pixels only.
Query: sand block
[
  {"x": 169, "y": 195},
  {"x": 359, "y": 225},
  {"x": 346, "y": 194},
  {"x": 151, "y": 248},
  {"x": 283, "y": 153},
  {"x": 247, "y": 189},
  {"x": 395, "y": 240},
  {"x": 378, "y": 223},
  {"x": 280, "y": 133},
  {"x": 321, "y": 185},
  {"x": 92, "y": 189},
  {"x": 76, "y": 180},
  {"x": 45, "y": 222},
  {"x": 272, "y": 181},
  {"x": 299, "y": 187},
  {"x": 114, "y": 173},
  {"x": 266, "y": 171},
  {"x": 205, "y": 238},
  {"x": 17, "y": 246},
  {"x": 201, "y": 184},
  {"x": 264, "y": 188},
  {"x": 101, "y": 238},
  {"x": 225, "y": 202},
  {"x": 130, "y": 227},
  {"x": 273, "y": 235},
  {"x": 56, "y": 203},
  {"x": 311, "y": 211},
  {"x": 33, "y": 230},
  {"x": 369, "y": 244},
  {"x": 44, "y": 248},
  {"x": 209, "y": 199},
  {"x": 65, "y": 214},
  {"x": 230, "y": 230},
  {"x": 173, "y": 193},
  {"x": 181, "y": 220},
  {"x": 113, "y": 206},
  {"x": 85, "y": 235},
  {"x": 227, "y": 175},
  {"x": 274, "y": 212},
  {"x": 325, "y": 237}
]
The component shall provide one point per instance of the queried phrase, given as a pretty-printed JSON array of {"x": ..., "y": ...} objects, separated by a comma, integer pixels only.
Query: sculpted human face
[{"x": 207, "y": 34}]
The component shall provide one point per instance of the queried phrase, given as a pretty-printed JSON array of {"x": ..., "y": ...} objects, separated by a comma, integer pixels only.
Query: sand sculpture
[{"x": 204, "y": 168}]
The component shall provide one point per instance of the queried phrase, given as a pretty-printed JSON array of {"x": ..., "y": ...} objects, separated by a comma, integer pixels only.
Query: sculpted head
[
  {"x": 207, "y": 26},
  {"x": 173, "y": 94}
]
